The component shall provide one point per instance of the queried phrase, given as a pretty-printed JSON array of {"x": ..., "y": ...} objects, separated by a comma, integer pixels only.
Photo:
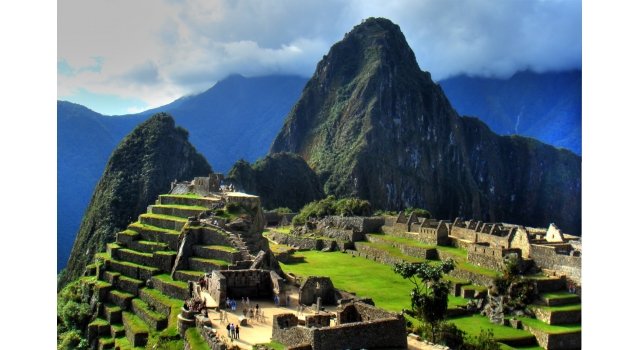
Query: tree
[{"x": 429, "y": 297}]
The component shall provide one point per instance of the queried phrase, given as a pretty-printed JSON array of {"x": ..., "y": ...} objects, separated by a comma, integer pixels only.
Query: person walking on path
[
  {"x": 288, "y": 300},
  {"x": 229, "y": 329},
  {"x": 276, "y": 300},
  {"x": 237, "y": 331},
  {"x": 233, "y": 305},
  {"x": 248, "y": 304},
  {"x": 232, "y": 334}
]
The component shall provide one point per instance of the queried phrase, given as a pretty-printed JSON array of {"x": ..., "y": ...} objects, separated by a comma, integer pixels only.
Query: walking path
[{"x": 256, "y": 332}]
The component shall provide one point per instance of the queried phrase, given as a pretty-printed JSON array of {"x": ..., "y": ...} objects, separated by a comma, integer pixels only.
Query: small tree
[{"x": 430, "y": 295}]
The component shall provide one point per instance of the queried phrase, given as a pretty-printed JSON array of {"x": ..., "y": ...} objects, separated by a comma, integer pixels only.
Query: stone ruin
[{"x": 358, "y": 325}]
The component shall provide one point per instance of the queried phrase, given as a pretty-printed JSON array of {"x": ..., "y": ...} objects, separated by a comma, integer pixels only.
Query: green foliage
[
  {"x": 385, "y": 212},
  {"x": 484, "y": 341},
  {"x": 74, "y": 314},
  {"x": 430, "y": 295},
  {"x": 518, "y": 291},
  {"x": 281, "y": 180},
  {"x": 331, "y": 206},
  {"x": 423, "y": 213},
  {"x": 232, "y": 207}
]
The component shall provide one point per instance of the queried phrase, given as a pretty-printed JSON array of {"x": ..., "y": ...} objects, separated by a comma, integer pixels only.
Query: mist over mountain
[
  {"x": 142, "y": 166},
  {"x": 371, "y": 124}
]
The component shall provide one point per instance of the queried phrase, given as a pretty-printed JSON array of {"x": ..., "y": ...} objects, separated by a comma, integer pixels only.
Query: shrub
[
  {"x": 423, "y": 213},
  {"x": 232, "y": 207}
]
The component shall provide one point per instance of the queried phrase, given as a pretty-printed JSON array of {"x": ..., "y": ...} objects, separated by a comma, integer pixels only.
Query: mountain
[
  {"x": 143, "y": 166},
  {"x": 545, "y": 106},
  {"x": 281, "y": 180},
  {"x": 371, "y": 124},
  {"x": 85, "y": 141},
  {"x": 236, "y": 118}
]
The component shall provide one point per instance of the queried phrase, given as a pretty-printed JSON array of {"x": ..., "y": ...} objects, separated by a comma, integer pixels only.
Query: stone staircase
[{"x": 136, "y": 297}]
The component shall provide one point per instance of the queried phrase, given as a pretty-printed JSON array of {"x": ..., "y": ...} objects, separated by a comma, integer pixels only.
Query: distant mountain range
[
  {"x": 239, "y": 117},
  {"x": 545, "y": 106}
]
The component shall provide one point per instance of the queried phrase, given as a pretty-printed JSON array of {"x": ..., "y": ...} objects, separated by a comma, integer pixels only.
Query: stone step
[
  {"x": 156, "y": 234},
  {"x": 558, "y": 298},
  {"x": 556, "y": 315},
  {"x": 155, "y": 320},
  {"x": 136, "y": 330},
  {"x": 166, "y": 222}
]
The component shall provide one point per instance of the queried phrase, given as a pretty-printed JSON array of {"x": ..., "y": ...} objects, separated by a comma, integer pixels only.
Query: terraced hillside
[
  {"x": 557, "y": 314},
  {"x": 142, "y": 281}
]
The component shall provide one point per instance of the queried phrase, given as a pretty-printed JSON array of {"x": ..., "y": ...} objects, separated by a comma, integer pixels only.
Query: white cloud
[{"x": 158, "y": 51}]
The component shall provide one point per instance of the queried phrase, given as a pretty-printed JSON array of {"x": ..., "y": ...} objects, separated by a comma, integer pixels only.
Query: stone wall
[
  {"x": 170, "y": 289},
  {"x": 180, "y": 212},
  {"x": 474, "y": 278},
  {"x": 217, "y": 286},
  {"x": 208, "y": 332},
  {"x": 211, "y": 236},
  {"x": 285, "y": 330},
  {"x": 565, "y": 341},
  {"x": 342, "y": 234},
  {"x": 557, "y": 317},
  {"x": 300, "y": 242},
  {"x": 489, "y": 257},
  {"x": 317, "y": 320},
  {"x": 356, "y": 223},
  {"x": 375, "y": 254},
  {"x": 546, "y": 256},
  {"x": 162, "y": 223},
  {"x": 203, "y": 202},
  {"x": 379, "y": 333},
  {"x": 219, "y": 254},
  {"x": 314, "y": 287}
]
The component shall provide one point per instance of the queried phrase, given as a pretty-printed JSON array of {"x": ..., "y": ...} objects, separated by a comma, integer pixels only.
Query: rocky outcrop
[
  {"x": 372, "y": 125},
  {"x": 281, "y": 180}
]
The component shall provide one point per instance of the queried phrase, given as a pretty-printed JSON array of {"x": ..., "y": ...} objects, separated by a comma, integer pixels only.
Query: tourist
[
  {"x": 244, "y": 311},
  {"x": 237, "y": 331},
  {"x": 229, "y": 329},
  {"x": 233, "y": 331},
  {"x": 251, "y": 314},
  {"x": 233, "y": 305},
  {"x": 276, "y": 300},
  {"x": 288, "y": 300},
  {"x": 248, "y": 304}
]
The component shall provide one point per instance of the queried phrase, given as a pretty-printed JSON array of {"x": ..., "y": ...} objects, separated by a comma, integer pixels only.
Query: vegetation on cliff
[
  {"x": 143, "y": 166},
  {"x": 281, "y": 180},
  {"x": 373, "y": 125},
  {"x": 333, "y": 206}
]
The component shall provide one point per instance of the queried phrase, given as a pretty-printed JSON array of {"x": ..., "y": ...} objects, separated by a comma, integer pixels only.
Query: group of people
[
  {"x": 231, "y": 304},
  {"x": 572, "y": 289},
  {"x": 202, "y": 282},
  {"x": 196, "y": 305},
  {"x": 234, "y": 330}
]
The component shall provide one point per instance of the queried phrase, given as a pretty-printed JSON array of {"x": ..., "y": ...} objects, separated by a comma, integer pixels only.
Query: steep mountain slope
[
  {"x": 237, "y": 118},
  {"x": 281, "y": 180},
  {"x": 85, "y": 141},
  {"x": 546, "y": 106},
  {"x": 373, "y": 125},
  {"x": 142, "y": 166}
]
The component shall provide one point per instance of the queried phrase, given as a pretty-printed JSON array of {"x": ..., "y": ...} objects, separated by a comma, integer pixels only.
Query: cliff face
[
  {"x": 281, "y": 180},
  {"x": 143, "y": 166},
  {"x": 373, "y": 125}
]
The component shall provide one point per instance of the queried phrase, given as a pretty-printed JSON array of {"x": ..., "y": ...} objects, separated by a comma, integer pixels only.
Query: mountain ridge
[{"x": 373, "y": 125}]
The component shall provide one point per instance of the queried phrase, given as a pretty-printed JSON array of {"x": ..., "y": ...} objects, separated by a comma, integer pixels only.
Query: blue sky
[{"x": 119, "y": 57}]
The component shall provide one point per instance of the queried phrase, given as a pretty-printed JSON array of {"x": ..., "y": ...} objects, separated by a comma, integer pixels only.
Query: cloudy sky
[{"x": 119, "y": 57}]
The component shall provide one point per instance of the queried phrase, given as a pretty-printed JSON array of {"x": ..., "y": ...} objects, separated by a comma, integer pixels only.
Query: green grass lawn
[
  {"x": 551, "y": 329},
  {"x": 404, "y": 241},
  {"x": 569, "y": 307},
  {"x": 188, "y": 195},
  {"x": 473, "y": 323},
  {"x": 179, "y": 206},
  {"x": 272, "y": 345},
  {"x": 364, "y": 277},
  {"x": 161, "y": 216},
  {"x": 558, "y": 295}
]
